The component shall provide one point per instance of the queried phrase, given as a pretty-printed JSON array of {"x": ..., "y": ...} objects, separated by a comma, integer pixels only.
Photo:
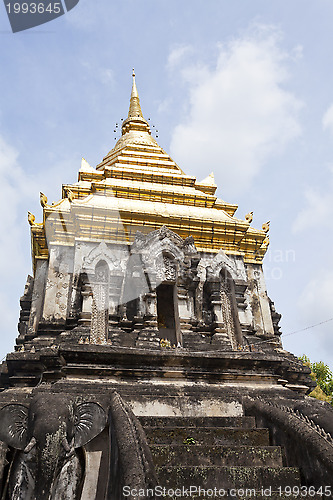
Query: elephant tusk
[
  {"x": 65, "y": 444},
  {"x": 30, "y": 445},
  {"x": 69, "y": 448}
]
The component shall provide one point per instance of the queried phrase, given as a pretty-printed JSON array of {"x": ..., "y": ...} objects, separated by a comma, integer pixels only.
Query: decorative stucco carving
[
  {"x": 165, "y": 255},
  {"x": 101, "y": 252},
  {"x": 222, "y": 261},
  {"x": 227, "y": 314},
  {"x": 153, "y": 245},
  {"x": 47, "y": 437},
  {"x": 99, "y": 310}
]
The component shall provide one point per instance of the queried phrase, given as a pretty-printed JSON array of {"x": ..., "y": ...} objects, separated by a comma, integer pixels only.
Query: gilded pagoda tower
[
  {"x": 149, "y": 352},
  {"x": 137, "y": 252}
]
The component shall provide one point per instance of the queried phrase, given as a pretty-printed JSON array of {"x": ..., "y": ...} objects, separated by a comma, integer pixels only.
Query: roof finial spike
[
  {"x": 134, "y": 89},
  {"x": 134, "y": 109},
  {"x": 135, "y": 121}
]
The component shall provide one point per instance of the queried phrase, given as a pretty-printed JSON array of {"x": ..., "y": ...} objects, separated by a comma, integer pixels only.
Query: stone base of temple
[{"x": 172, "y": 418}]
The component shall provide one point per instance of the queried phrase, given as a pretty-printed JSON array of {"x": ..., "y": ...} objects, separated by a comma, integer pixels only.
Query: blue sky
[{"x": 241, "y": 88}]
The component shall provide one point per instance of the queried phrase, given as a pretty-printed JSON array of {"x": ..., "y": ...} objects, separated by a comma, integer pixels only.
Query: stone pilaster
[{"x": 37, "y": 299}]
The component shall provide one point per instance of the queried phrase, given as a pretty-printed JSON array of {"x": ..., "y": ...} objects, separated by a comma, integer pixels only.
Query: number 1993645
[
  {"x": 33, "y": 8},
  {"x": 305, "y": 491}
]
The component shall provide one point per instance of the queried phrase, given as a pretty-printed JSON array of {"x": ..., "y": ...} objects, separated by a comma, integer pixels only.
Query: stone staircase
[{"x": 226, "y": 453}]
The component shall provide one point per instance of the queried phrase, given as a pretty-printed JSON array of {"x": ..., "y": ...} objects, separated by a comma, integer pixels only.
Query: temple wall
[
  {"x": 60, "y": 272},
  {"x": 221, "y": 286}
]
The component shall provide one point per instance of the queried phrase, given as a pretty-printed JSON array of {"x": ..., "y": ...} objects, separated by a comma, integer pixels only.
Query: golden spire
[
  {"x": 135, "y": 120},
  {"x": 135, "y": 108}
]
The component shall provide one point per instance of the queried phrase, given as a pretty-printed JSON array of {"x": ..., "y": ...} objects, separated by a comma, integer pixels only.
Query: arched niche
[
  {"x": 101, "y": 253},
  {"x": 168, "y": 323},
  {"x": 222, "y": 261},
  {"x": 230, "y": 271},
  {"x": 169, "y": 263},
  {"x": 116, "y": 259}
]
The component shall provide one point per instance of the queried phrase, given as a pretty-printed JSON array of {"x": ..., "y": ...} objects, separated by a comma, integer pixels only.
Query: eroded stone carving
[
  {"x": 165, "y": 254},
  {"x": 227, "y": 311},
  {"x": 99, "y": 312},
  {"x": 222, "y": 261},
  {"x": 47, "y": 436},
  {"x": 100, "y": 252}
]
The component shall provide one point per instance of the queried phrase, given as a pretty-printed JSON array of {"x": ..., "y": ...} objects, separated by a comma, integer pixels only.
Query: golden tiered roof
[{"x": 137, "y": 186}]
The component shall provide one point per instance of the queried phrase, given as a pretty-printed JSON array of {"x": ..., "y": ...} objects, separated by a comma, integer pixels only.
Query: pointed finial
[
  {"x": 135, "y": 120},
  {"x": 31, "y": 219},
  {"x": 43, "y": 199},
  {"x": 135, "y": 95},
  {"x": 249, "y": 217},
  {"x": 265, "y": 226}
]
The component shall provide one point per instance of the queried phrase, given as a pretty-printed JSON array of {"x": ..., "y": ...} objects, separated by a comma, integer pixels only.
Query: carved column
[
  {"x": 100, "y": 303},
  {"x": 185, "y": 307},
  {"x": 244, "y": 314},
  {"x": 227, "y": 312},
  {"x": 75, "y": 296},
  {"x": 221, "y": 335},
  {"x": 148, "y": 336},
  {"x": 86, "y": 292}
]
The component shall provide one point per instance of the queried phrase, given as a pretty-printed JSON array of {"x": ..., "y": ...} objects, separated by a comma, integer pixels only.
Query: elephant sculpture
[{"x": 46, "y": 437}]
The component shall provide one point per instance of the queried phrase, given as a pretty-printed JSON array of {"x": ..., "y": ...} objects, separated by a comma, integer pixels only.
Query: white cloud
[
  {"x": 239, "y": 113},
  {"x": 164, "y": 106},
  {"x": 315, "y": 306},
  {"x": 102, "y": 74},
  {"x": 328, "y": 119},
  {"x": 318, "y": 295},
  {"x": 315, "y": 301},
  {"x": 318, "y": 210},
  {"x": 19, "y": 193},
  {"x": 15, "y": 187},
  {"x": 177, "y": 55}
]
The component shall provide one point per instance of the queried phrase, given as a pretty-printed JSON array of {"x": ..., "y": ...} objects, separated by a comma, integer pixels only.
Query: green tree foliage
[{"x": 321, "y": 374}]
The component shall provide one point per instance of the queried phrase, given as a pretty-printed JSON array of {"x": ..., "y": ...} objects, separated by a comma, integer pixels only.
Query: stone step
[
  {"x": 245, "y": 422},
  {"x": 228, "y": 477},
  {"x": 207, "y": 436},
  {"x": 24, "y": 380},
  {"x": 201, "y": 455}
]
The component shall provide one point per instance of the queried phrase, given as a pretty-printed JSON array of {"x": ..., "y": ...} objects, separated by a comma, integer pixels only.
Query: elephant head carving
[{"x": 48, "y": 433}]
